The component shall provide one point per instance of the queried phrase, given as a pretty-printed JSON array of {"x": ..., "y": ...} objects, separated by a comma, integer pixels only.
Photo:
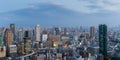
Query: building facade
[
  {"x": 103, "y": 40},
  {"x": 37, "y": 32},
  {"x": 12, "y": 27},
  {"x": 92, "y": 32},
  {"x": 8, "y": 37}
]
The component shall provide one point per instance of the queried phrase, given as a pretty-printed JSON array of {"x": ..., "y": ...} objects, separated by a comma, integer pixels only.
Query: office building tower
[
  {"x": 92, "y": 32},
  {"x": 44, "y": 35},
  {"x": 8, "y": 37},
  {"x": 33, "y": 35},
  {"x": 26, "y": 34},
  {"x": 103, "y": 40},
  {"x": 20, "y": 35},
  {"x": 27, "y": 43},
  {"x": 0, "y": 41},
  {"x": 20, "y": 49},
  {"x": 12, "y": 27},
  {"x": 37, "y": 32},
  {"x": 65, "y": 31},
  {"x": 56, "y": 31}
]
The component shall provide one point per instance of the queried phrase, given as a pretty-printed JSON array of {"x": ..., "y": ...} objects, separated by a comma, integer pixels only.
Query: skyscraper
[
  {"x": 65, "y": 31},
  {"x": 26, "y": 34},
  {"x": 27, "y": 43},
  {"x": 44, "y": 35},
  {"x": 103, "y": 40},
  {"x": 20, "y": 34},
  {"x": 0, "y": 41},
  {"x": 12, "y": 27},
  {"x": 92, "y": 32},
  {"x": 37, "y": 32},
  {"x": 57, "y": 31},
  {"x": 8, "y": 37}
]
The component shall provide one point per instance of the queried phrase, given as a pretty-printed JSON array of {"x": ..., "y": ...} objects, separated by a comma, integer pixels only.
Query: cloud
[
  {"x": 91, "y": 6},
  {"x": 57, "y": 3},
  {"x": 96, "y": 6}
]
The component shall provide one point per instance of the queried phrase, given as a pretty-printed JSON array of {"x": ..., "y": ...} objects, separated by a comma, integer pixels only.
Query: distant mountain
[{"x": 51, "y": 15}]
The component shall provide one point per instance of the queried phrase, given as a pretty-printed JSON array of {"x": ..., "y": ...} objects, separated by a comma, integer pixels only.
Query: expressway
[
  {"x": 25, "y": 55},
  {"x": 31, "y": 53}
]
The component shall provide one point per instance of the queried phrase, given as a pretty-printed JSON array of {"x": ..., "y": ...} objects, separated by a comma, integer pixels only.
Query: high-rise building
[
  {"x": 44, "y": 35},
  {"x": 0, "y": 41},
  {"x": 33, "y": 34},
  {"x": 103, "y": 40},
  {"x": 12, "y": 27},
  {"x": 56, "y": 31},
  {"x": 8, "y": 37},
  {"x": 37, "y": 32},
  {"x": 65, "y": 31},
  {"x": 27, "y": 43},
  {"x": 20, "y": 35},
  {"x": 20, "y": 49},
  {"x": 26, "y": 34},
  {"x": 92, "y": 32}
]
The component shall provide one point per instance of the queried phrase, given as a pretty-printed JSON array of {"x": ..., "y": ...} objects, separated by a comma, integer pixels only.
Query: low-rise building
[
  {"x": 12, "y": 51},
  {"x": 2, "y": 51}
]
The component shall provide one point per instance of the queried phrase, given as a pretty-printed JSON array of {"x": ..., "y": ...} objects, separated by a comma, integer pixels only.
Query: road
[{"x": 25, "y": 55}]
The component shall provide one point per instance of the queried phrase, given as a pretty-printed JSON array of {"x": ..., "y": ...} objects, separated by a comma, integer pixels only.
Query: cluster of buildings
[{"x": 59, "y": 43}]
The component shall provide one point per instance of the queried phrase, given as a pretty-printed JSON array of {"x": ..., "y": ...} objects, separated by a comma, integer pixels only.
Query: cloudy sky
[
  {"x": 108, "y": 11},
  {"x": 83, "y": 6}
]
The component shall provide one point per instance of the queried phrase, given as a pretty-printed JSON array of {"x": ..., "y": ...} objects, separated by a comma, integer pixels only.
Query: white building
[
  {"x": 44, "y": 37},
  {"x": 37, "y": 32},
  {"x": 12, "y": 51},
  {"x": 12, "y": 48}
]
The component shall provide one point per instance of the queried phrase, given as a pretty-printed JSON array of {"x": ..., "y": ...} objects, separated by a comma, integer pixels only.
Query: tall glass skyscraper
[
  {"x": 0, "y": 40},
  {"x": 103, "y": 40}
]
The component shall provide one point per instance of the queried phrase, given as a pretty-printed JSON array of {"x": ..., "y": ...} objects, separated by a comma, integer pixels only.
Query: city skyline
[
  {"x": 91, "y": 43},
  {"x": 59, "y": 30}
]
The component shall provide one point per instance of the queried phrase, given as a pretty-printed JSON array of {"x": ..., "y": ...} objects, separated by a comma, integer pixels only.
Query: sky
[
  {"x": 108, "y": 8},
  {"x": 83, "y": 6}
]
